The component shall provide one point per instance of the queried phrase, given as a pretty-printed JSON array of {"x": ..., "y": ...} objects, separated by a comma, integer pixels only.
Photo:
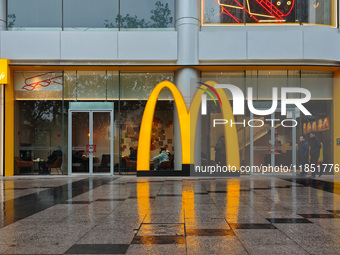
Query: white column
[{"x": 187, "y": 26}]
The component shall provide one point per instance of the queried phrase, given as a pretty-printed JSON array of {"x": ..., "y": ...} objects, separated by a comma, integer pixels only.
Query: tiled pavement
[{"x": 129, "y": 215}]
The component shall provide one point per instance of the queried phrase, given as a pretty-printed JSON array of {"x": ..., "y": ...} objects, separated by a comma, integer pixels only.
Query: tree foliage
[{"x": 160, "y": 17}]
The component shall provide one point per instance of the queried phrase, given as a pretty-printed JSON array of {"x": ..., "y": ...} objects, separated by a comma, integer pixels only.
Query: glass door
[
  {"x": 79, "y": 138},
  {"x": 90, "y": 142},
  {"x": 283, "y": 143},
  {"x": 260, "y": 149},
  {"x": 273, "y": 143},
  {"x": 101, "y": 139}
]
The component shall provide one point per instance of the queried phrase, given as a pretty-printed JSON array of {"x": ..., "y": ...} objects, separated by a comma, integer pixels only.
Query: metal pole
[
  {"x": 187, "y": 25},
  {"x": 251, "y": 140},
  {"x": 294, "y": 144},
  {"x": 272, "y": 143}
]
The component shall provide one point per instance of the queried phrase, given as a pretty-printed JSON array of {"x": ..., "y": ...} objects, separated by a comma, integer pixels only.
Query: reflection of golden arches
[{"x": 187, "y": 130}]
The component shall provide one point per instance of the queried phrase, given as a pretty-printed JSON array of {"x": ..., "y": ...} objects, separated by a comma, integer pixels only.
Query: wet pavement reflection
[
  {"x": 129, "y": 215},
  {"x": 40, "y": 198}
]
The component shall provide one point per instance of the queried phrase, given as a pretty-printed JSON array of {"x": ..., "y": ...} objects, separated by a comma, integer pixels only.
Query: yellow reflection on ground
[
  {"x": 143, "y": 202},
  {"x": 336, "y": 187},
  {"x": 8, "y": 212},
  {"x": 189, "y": 203},
  {"x": 336, "y": 191},
  {"x": 233, "y": 200}
]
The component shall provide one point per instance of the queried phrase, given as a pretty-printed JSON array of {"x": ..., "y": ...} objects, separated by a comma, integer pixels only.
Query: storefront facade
[{"x": 81, "y": 85}]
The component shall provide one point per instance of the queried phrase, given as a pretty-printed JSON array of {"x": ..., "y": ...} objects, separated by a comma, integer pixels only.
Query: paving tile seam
[
  {"x": 39, "y": 200},
  {"x": 160, "y": 188},
  {"x": 226, "y": 220},
  {"x": 305, "y": 248}
]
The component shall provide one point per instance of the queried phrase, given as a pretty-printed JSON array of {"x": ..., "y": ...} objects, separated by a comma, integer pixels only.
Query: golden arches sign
[
  {"x": 4, "y": 71},
  {"x": 187, "y": 123}
]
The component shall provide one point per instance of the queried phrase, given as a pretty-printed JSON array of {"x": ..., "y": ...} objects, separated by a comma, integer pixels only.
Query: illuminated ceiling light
[
  {"x": 278, "y": 3},
  {"x": 289, "y": 3}
]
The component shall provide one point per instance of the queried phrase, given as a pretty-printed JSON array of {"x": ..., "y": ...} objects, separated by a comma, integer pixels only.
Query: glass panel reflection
[
  {"x": 80, "y": 138},
  {"x": 268, "y": 11},
  {"x": 102, "y": 141},
  {"x": 85, "y": 15},
  {"x": 34, "y": 14},
  {"x": 162, "y": 133},
  {"x": 321, "y": 123},
  {"x": 38, "y": 126},
  {"x": 91, "y": 85},
  {"x": 38, "y": 85},
  {"x": 90, "y": 14},
  {"x": 283, "y": 149},
  {"x": 316, "y": 12},
  {"x": 147, "y": 14},
  {"x": 138, "y": 86}
]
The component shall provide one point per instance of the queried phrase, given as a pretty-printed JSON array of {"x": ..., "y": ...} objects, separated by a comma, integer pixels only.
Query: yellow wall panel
[
  {"x": 336, "y": 119},
  {"x": 9, "y": 126}
]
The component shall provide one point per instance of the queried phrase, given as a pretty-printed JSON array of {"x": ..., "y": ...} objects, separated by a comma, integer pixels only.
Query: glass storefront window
[
  {"x": 131, "y": 112},
  {"x": 85, "y": 15},
  {"x": 39, "y": 131},
  {"x": 318, "y": 12},
  {"x": 134, "y": 93},
  {"x": 43, "y": 101},
  {"x": 320, "y": 84},
  {"x": 38, "y": 119},
  {"x": 138, "y": 86},
  {"x": 271, "y": 144},
  {"x": 212, "y": 137},
  {"x": 266, "y": 80},
  {"x": 94, "y": 86},
  {"x": 91, "y": 85},
  {"x": 38, "y": 85},
  {"x": 34, "y": 14},
  {"x": 146, "y": 14},
  {"x": 321, "y": 123}
]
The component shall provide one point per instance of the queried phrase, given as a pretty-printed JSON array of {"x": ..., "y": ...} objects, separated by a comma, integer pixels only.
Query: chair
[
  {"x": 167, "y": 164},
  {"x": 105, "y": 163},
  {"x": 56, "y": 164},
  {"x": 130, "y": 163},
  {"x": 23, "y": 164},
  {"x": 96, "y": 164}
]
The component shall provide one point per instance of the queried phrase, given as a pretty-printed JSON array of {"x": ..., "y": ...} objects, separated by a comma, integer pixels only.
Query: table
[{"x": 39, "y": 165}]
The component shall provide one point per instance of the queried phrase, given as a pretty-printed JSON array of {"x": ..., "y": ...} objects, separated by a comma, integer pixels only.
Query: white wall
[
  {"x": 89, "y": 45},
  {"x": 268, "y": 43},
  {"x": 220, "y": 44}
]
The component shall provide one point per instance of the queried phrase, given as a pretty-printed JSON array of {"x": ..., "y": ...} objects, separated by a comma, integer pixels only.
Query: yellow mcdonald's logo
[
  {"x": 4, "y": 71},
  {"x": 187, "y": 122}
]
